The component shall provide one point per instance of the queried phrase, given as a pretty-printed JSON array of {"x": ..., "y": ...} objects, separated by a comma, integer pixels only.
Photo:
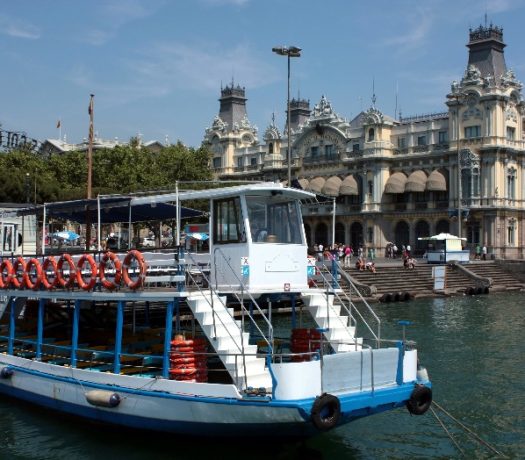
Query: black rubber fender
[
  {"x": 420, "y": 400},
  {"x": 486, "y": 290},
  {"x": 479, "y": 290},
  {"x": 470, "y": 291},
  {"x": 386, "y": 298},
  {"x": 326, "y": 412},
  {"x": 397, "y": 297},
  {"x": 406, "y": 296}
]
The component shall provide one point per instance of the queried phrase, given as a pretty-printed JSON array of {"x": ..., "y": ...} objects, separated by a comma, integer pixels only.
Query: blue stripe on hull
[{"x": 143, "y": 423}]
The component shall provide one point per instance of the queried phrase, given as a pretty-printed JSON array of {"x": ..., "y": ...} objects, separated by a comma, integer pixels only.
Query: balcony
[{"x": 321, "y": 159}]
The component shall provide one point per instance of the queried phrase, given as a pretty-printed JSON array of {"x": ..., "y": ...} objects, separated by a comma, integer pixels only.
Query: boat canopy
[{"x": 441, "y": 237}]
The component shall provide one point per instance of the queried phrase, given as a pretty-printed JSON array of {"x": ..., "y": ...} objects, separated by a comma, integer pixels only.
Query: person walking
[
  {"x": 484, "y": 252},
  {"x": 478, "y": 252},
  {"x": 348, "y": 256}
]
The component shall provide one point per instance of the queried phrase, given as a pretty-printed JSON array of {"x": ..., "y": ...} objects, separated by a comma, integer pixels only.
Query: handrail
[
  {"x": 377, "y": 335},
  {"x": 269, "y": 341}
]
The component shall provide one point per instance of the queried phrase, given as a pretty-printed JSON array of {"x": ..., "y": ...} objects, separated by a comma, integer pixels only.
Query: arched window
[
  {"x": 470, "y": 172},
  {"x": 356, "y": 236},
  {"x": 402, "y": 234},
  {"x": 443, "y": 226},
  {"x": 321, "y": 234},
  {"x": 371, "y": 134},
  {"x": 422, "y": 230}
]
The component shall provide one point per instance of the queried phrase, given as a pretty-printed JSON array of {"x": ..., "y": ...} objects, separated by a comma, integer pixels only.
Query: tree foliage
[{"x": 26, "y": 176}]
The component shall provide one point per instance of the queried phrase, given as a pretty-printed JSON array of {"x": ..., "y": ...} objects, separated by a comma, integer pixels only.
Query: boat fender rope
[
  {"x": 420, "y": 400},
  {"x": 117, "y": 264},
  {"x": 28, "y": 279},
  {"x": 50, "y": 261},
  {"x": 6, "y": 273},
  {"x": 326, "y": 412},
  {"x": 137, "y": 255},
  {"x": 87, "y": 286},
  {"x": 70, "y": 281}
]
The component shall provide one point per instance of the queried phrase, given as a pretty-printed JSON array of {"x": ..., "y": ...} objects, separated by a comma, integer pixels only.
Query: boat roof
[
  {"x": 441, "y": 237},
  {"x": 260, "y": 188}
]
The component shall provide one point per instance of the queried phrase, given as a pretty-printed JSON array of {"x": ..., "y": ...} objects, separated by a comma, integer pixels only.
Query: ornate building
[{"x": 394, "y": 180}]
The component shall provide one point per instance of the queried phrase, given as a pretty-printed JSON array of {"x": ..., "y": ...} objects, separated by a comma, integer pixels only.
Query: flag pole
[{"x": 89, "y": 172}]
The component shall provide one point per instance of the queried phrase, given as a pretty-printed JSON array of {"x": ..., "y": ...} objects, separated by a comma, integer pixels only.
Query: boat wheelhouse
[{"x": 191, "y": 343}]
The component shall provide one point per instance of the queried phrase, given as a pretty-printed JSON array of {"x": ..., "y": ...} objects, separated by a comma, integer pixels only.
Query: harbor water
[{"x": 473, "y": 347}]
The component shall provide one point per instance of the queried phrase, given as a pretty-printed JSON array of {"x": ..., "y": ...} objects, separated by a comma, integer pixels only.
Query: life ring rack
[
  {"x": 87, "y": 285},
  {"x": 139, "y": 281},
  {"x": 110, "y": 257}
]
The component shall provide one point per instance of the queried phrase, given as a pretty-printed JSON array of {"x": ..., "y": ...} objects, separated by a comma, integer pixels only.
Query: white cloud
[{"x": 16, "y": 28}]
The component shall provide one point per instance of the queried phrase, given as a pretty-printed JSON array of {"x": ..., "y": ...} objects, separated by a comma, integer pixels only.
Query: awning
[
  {"x": 316, "y": 185},
  {"x": 396, "y": 183},
  {"x": 416, "y": 182},
  {"x": 349, "y": 186},
  {"x": 436, "y": 182},
  {"x": 304, "y": 183},
  {"x": 331, "y": 186}
]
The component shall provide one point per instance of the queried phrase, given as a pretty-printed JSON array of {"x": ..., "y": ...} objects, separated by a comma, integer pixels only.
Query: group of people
[
  {"x": 340, "y": 252},
  {"x": 481, "y": 252},
  {"x": 361, "y": 264}
]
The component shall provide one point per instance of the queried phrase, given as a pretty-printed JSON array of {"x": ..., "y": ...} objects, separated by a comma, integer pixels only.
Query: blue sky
[{"x": 156, "y": 66}]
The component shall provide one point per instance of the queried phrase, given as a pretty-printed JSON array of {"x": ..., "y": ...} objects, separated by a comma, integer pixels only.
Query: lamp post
[
  {"x": 290, "y": 52},
  {"x": 27, "y": 189}
]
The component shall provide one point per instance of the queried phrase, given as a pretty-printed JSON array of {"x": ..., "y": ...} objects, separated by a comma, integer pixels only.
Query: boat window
[
  {"x": 274, "y": 220},
  {"x": 228, "y": 226},
  {"x": 8, "y": 240}
]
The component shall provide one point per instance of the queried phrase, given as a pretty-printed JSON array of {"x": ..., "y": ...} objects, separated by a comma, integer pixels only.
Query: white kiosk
[{"x": 444, "y": 248}]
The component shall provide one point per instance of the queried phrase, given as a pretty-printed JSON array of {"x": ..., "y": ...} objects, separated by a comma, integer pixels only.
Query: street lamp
[
  {"x": 27, "y": 189},
  {"x": 290, "y": 52}
]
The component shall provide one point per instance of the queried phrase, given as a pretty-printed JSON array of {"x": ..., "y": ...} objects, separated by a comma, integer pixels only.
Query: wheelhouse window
[
  {"x": 274, "y": 219},
  {"x": 227, "y": 222}
]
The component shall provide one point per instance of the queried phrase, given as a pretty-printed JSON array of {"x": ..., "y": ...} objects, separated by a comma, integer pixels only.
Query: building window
[
  {"x": 402, "y": 142},
  {"x": 355, "y": 148},
  {"x": 511, "y": 184},
  {"x": 270, "y": 147},
  {"x": 370, "y": 232},
  {"x": 371, "y": 134},
  {"x": 470, "y": 175},
  {"x": 442, "y": 137},
  {"x": 511, "y": 230},
  {"x": 217, "y": 162},
  {"x": 253, "y": 161},
  {"x": 370, "y": 187},
  {"x": 421, "y": 140},
  {"x": 511, "y": 133},
  {"x": 314, "y": 151},
  {"x": 240, "y": 162},
  {"x": 329, "y": 151},
  {"x": 472, "y": 132}
]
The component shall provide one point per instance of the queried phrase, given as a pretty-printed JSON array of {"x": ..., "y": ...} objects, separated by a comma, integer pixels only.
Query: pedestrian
[
  {"x": 395, "y": 251},
  {"x": 348, "y": 256},
  {"x": 320, "y": 249},
  {"x": 408, "y": 251},
  {"x": 478, "y": 252},
  {"x": 484, "y": 252}
]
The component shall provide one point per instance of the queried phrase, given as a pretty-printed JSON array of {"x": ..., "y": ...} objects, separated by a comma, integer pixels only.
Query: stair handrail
[
  {"x": 269, "y": 340},
  {"x": 339, "y": 269}
]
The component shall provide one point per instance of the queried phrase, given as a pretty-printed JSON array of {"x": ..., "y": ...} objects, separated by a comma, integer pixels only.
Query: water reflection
[{"x": 473, "y": 348}]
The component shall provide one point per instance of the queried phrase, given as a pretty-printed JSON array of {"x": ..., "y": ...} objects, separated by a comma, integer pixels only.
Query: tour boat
[{"x": 173, "y": 341}]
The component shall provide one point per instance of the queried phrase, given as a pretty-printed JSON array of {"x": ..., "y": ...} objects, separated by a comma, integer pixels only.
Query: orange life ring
[
  {"x": 6, "y": 274},
  {"x": 70, "y": 281},
  {"x": 28, "y": 279},
  {"x": 136, "y": 255},
  {"x": 45, "y": 281},
  {"x": 113, "y": 258},
  {"x": 87, "y": 286},
  {"x": 19, "y": 270}
]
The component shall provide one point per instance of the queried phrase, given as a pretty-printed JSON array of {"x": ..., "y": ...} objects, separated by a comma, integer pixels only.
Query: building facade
[{"x": 381, "y": 179}]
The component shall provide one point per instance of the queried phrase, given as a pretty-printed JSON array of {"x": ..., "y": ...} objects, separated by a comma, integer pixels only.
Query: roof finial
[{"x": 373, "y": 93}]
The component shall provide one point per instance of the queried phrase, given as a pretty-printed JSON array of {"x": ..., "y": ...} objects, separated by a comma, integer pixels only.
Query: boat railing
[
  {"x": 242, "y": 293},
  {"x": 330, "y": 282}
]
